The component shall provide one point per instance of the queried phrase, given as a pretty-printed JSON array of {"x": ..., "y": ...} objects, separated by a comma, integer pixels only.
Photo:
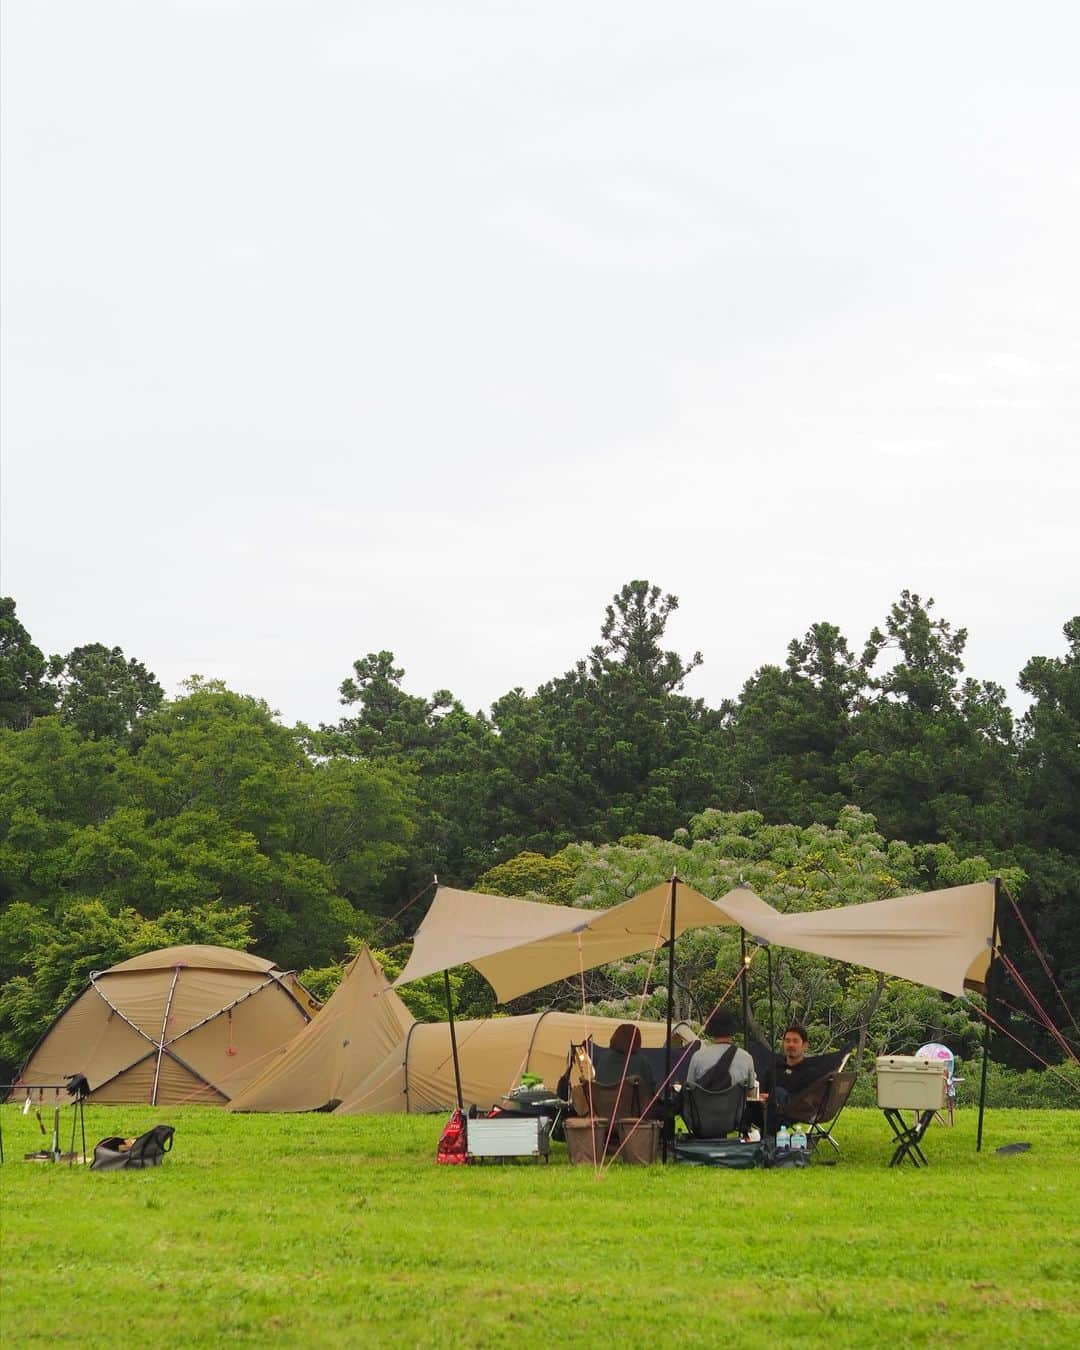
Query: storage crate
[
  {"x": 909, "y": 1084},
  {"x": 508, "y": 1137}
]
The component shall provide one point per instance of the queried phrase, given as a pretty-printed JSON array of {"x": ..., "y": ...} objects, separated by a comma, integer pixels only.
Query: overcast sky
[{"x": 330, "y": 327}]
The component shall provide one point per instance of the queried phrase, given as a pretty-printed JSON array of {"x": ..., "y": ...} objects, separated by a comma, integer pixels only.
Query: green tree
[
  {"x": 103, "y": 692},
  {"x": 786, "y": 737},
  {"x": 933, "y": 756},
  {"x": 445, "y": 749},
  {"x": 1047, "y": 830},
  {"x": 25, "y": 693},
  {"x": 609, "y": 748}
]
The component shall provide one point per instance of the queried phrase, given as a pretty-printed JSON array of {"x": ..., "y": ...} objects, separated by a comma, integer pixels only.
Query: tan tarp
[
  {"x": 418, "y": 1075},
  {"x": 519, "y": 945},
  {"x": 465, "y": 926},
  {"x": 937, "y": 938},
  {"x": 184, "y": 1024},
  {"x": 362, "y": 1022}
]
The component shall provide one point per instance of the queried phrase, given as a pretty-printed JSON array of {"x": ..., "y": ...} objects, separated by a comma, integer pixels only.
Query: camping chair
[
  {"x": 712, "y": 1115},
  {"x": 613, "y": 1101},
  {"x": 818, "y": 1106}
]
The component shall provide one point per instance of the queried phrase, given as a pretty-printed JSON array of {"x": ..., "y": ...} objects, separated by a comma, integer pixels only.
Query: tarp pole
[
  {"x": 453, "y": 1038},
  {"x": 772, "y": 1022},
  {"x": 668, "y": 1122},
  {"x": 745, "y": 988},
  {"x": 991, "y": 982}
]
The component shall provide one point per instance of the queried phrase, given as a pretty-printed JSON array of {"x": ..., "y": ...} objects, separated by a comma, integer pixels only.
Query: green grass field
[{"x": 316, "y": 1230}]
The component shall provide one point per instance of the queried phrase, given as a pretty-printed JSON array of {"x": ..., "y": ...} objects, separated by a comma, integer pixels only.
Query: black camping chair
[
  {"x": 712, "y": 1115},
  {"x": 818, "y": 1106},
  {"x": 614, "y": 1101},
  {"x": 147, "y": 1150}
]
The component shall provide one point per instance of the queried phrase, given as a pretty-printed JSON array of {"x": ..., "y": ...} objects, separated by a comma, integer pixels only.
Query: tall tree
[
  {"x": 1047, "y": 833},
  {"x": 442, "y": 743},
  {"x": 611, "y": 747},
  {"x": 786, "y": 735},
  {"x": 25, "y": 693},
  {"x": 103, "y": 692},
  {"x": 930, "y": 754}
]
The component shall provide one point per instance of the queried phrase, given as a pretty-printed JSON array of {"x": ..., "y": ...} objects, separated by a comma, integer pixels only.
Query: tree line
[{"x": 129, "y": 820}]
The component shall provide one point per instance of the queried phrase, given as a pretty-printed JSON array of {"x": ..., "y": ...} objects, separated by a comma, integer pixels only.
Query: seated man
[
  {"x": 740, "y": 1067},
  {"x": 793, "y": 1070}
]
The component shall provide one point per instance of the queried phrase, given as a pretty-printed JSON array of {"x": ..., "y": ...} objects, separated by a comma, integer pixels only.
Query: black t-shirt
[{"x": 793, "y": 1078}]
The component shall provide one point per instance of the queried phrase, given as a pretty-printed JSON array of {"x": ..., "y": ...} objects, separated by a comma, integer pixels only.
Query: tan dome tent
[
  {"x": 362, "y": 1022},
  {"x": 182, "y": 1025}
]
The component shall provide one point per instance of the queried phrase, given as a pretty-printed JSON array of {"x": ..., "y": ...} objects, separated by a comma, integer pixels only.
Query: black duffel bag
[{"x": 147, "y": 1150}]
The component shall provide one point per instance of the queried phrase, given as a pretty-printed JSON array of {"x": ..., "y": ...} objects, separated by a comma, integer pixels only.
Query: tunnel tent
[
  {"x": 187, "y": 1024},
  {"x": 418, "y": 1075},
  {"x": 365, "y": 1053}
]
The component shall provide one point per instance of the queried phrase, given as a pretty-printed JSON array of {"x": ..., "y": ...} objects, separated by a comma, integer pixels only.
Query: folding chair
[
  {"x": 712, "y": 1115},
  {"x": 818, "y": 1106},
  {"x": 616, "y": 1100}
]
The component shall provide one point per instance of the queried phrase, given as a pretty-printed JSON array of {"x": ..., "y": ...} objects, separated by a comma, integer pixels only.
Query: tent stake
[
  {"x": 453, "y": 1038},
  {"x": 991, "y": 985},
  {"x": 668, "y": 1119}
]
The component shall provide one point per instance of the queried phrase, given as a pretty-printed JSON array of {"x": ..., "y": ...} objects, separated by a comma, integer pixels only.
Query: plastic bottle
[
  {"x": 798, "y": 1139},
  {"x": 783, "y": 1138}
]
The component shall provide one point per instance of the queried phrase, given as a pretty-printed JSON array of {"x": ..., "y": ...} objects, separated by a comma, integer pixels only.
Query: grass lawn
[{"x": 318, "y": 1230}]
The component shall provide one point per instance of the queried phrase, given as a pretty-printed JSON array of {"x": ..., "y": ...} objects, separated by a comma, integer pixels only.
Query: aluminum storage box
[
  {"x": 508, "y": 1137},
  {"x": 910, "y": 1084}
]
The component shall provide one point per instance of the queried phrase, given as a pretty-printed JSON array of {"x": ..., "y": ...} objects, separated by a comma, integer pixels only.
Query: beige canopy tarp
[
  {"x": 519, "y": 945},
  {"x": 363, "y": 1022},
  {"x": 183, "y": 1024},
  {"x": 937, "y": 938},
  {"x": 419, "y": 1075}
]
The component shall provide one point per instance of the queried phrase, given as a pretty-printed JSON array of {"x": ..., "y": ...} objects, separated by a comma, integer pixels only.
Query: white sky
[{"x": 331, "y": 327}]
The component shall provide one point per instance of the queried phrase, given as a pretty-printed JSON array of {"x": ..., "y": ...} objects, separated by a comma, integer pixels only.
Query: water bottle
[
  {"x": 798, "y": 1139},
  {"x": 783, "y": 1138}
]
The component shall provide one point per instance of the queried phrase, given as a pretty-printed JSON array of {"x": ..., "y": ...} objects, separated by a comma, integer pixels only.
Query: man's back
[{"x": 741, "y": 1067}]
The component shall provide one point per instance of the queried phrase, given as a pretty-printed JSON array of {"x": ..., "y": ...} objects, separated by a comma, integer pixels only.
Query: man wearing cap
[{"x": 719, "y": 1029}]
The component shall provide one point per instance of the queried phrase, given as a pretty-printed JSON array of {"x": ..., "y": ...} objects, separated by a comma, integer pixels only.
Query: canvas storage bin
[
  {"x": 639, "y": 1140},
  {"x": 586, "y": 1137},
  {"x": 910, "y": 1084}
]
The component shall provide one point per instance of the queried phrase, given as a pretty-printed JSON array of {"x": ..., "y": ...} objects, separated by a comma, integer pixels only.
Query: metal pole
[
  {"x": 161, "y": 1042},
  {"x": 991, "y": 983},
  {"x": 670, "y": 1010},
  {"x": 453, "y": 1038},
  {"x": 772, "y": 1022},
  {"x": 745, "y": 989}
]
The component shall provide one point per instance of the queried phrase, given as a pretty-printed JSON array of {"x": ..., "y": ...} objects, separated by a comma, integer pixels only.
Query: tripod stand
[{"x": 77, "y": 1089}]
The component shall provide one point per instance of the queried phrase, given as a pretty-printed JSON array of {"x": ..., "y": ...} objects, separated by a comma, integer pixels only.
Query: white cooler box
[
  {"x": 508, "y": 1137},
  {"x": 910, "y": 1084}
]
